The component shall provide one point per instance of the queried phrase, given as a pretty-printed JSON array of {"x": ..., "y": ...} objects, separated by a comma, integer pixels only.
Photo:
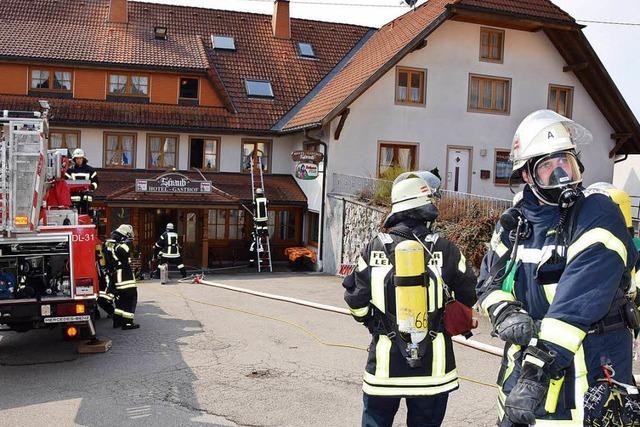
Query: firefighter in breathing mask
[{"x": 555, "y": 280}]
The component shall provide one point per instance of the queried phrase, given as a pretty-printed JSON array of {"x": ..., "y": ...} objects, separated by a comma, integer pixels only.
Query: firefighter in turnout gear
[
  {"x": 554, "y": 283},
  {"x": 168, "y": 250},
  {"x": 125, "y": 282},
  {"x": 398, "y": 291},
  {"x": 260, "y": 217},
  {"x": 80, "y": 170},
  {"x": 106, "y": 297}
]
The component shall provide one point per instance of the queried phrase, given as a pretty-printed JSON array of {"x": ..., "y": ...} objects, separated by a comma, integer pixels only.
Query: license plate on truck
[{"x": 67, "y": 319}]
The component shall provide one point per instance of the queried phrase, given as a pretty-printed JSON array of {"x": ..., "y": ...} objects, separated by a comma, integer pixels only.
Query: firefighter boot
[{"x": 130, "y": 326}]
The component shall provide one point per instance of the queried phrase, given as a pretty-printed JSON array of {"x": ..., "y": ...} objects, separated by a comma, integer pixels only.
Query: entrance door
[
  {"x": 458, "y": 169},
  {"x": 192, "y": 246}
]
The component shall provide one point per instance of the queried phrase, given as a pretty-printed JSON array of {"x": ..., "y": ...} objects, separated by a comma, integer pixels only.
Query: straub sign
[{"x": 172, "y": 183}]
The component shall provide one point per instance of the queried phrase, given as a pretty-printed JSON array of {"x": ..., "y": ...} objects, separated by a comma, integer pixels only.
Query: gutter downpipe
[{"x": 307, "y": 135}]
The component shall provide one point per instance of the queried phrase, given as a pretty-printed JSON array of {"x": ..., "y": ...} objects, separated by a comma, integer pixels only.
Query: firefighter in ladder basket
[{"x": 81, "y": 171}]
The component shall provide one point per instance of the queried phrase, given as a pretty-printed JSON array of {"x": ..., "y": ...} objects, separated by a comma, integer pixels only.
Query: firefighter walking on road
[
  {"x": 556, "y": 285},
  {"x": 80, "y": 170},
  {"x": 125, "y": 282},
  {"x": 398, "y": 291},
  {"x": 168, "y": 250}
]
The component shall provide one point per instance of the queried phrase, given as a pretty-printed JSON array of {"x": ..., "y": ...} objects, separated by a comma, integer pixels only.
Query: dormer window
[
  {"x": 223, "y": 43},
  {"x": 306, "y": 50},
  {"x": 259, "y": 88},
  {"x": 160, "y": 33}
]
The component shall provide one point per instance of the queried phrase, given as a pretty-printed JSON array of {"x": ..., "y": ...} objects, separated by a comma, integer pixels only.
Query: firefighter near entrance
[
  {"x": 118, "y": 249},
  {"x": 84, "y": 180},
  {"x": 399, "y": 290},
  {"x": 167, "y": 250},
  {"x": 557, "y": 284}
]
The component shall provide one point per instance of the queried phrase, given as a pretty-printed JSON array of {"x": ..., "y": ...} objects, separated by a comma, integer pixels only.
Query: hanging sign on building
[
  {"x": 307, "y": 167},
  {"x": 172, "y": 183},
  {"x": 307, "y": 156},
  {"x": 306, "y": 171}
]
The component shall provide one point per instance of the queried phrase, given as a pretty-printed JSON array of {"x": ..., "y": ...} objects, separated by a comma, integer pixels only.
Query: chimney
[
  {"x": 280, "y": 22},
  {"x": 118, "y": 11}
]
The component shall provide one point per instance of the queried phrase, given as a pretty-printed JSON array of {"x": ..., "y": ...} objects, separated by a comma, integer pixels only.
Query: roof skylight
[
  {"x": 223, "y": 42},
  {"x": 259, "y": 88},
  {"x": 306, "y": 50}
]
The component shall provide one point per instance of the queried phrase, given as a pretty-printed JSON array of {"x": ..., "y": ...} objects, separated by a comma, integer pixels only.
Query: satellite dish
[{"x": 411, "y": 2}]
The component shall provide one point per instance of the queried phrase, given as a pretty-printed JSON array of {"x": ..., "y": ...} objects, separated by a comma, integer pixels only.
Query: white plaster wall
[
  {"x": 452, "y": 51},
  {"x": 91, "y": 141}
]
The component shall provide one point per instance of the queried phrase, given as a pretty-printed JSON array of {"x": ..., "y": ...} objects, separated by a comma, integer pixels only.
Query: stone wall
[{"x": 350, "y": 224}]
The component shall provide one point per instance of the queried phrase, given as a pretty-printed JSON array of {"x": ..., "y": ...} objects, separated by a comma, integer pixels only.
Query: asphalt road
[{"x": 206, "y": 356}]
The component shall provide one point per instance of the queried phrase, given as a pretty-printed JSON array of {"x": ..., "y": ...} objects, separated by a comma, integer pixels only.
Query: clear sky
[{"x": 618, "y": 46}]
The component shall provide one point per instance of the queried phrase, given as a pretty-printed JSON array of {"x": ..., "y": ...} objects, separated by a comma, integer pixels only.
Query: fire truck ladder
[{"x": 262, "y": 246}]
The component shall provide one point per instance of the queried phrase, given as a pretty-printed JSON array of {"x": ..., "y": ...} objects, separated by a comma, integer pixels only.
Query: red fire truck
[{"x": 48, "y": 275}]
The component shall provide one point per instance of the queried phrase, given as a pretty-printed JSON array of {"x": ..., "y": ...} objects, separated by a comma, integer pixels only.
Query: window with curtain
[
  {"x": 217, "y": 224},
  {"x": 128, "y": 85},
  {"x": 119, "y": 150},
  {"x": 257, "y": 151},
  {"x": 561, "y": 100},
  {"x": 51, "y": 79},
  {"x": 489, "y": 94},
  {"x": 161, "y": 151},
  {"x": 502, "y": 167},
  {"x": 64, "y": 139},
  {"x": 491, "y": 44},
  {"x": 396, "y": 155},
  {"x": 210, "y": 154},
  {"x": 410, "y": 86}
]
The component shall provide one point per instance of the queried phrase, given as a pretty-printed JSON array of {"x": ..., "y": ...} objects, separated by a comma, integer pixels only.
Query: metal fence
[{"x": 364, "y": 188}]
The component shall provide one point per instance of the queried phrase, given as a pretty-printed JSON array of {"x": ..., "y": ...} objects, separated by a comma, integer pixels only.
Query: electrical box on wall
[
  {"x": 485, "y": 174},
  {"x": 483, "y": 152}
]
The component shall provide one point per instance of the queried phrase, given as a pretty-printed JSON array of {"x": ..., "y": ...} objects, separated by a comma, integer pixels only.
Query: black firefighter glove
[
  {"x": 528, "y": 396},
  {"x": 512, "y": 323}
]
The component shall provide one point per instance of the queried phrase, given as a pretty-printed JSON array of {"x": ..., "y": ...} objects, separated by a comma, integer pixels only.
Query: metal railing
[{"x": 364, "y": 188}]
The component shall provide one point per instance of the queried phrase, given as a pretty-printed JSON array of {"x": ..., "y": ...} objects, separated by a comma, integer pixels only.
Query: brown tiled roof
[
  {"x": 389, "y": 42},
  {"x": 543, "y": 9},
  {"x": 117, "y": 185},
  {"x": 397, "y": 38},
  {"x": 120, "y": 114},
  {"x": 77, "y": 31},
  {"x": 393, "y": 41}
]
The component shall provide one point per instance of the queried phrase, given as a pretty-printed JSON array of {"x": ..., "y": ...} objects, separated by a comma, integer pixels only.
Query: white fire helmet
[
  {"x": 78, "y": 152},
  {"x": 170, "y": 226},
  {"x": 544, "y": 132},
  {"x": 413, "y": 189},
  {"x": 126, "y": 230}
]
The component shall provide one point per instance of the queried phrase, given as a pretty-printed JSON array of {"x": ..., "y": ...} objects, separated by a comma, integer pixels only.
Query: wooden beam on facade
[
  {"x": 343, "y": 119},
  {"x": 579, "y": 66},
  {"x": 621, "y": 135},
  {"x": 620, "y": 142}
]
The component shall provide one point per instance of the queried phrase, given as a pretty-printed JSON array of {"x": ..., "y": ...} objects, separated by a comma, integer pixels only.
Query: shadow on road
[{"x": 142, "y": 380}]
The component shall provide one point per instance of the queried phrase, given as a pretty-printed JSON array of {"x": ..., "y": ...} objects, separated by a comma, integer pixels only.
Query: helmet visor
[{"x": 557, "y": 170}]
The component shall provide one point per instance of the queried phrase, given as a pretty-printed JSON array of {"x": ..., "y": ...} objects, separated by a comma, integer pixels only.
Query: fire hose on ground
[{"x": 476, "y": 345}]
